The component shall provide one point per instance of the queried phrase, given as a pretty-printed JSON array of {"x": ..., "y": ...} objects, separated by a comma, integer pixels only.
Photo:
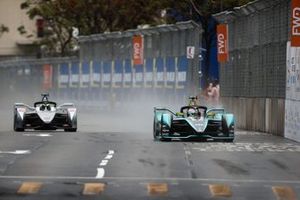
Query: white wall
[{"x": 292, "y": 104}]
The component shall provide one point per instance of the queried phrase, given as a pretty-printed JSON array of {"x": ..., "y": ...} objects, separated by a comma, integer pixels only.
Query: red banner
[
  {"x": 295, "y": 25},
  {"x": 222, "y": 34},
  {"x": 47, "y": 71},
  {"x": 138, "y": 50}
]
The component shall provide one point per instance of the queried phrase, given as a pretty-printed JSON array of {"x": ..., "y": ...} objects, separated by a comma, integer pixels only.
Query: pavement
[{"x": 113, "y": 156}]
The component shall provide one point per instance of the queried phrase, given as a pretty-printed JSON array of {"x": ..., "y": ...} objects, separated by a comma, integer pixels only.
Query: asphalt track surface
[{"x": 113, "y": 156}]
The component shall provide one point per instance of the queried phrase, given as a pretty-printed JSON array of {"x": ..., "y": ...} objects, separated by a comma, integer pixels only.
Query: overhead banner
[
  {"x": 47, "y": 72},
  {"x": 222, "y": 35},
  {"x": 138, "y": 50},
  {"x": 295, "y": 25}
]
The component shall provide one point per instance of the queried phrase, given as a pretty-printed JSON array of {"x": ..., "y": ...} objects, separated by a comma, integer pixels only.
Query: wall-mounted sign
[
  {"x": 138, "y": 50},
  {"x": 295, "y": 25},
  {"x": 222, "y": 34},
  {"x": 190, "y": 52},
  {"x": 47, "y": 72}
]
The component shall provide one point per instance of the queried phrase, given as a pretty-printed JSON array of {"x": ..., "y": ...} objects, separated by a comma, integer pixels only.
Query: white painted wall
[{"x": 292, "y": 104}]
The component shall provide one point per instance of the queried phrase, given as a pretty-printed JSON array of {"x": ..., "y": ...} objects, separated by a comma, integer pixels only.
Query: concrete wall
[{"x": 257, "y": 114}]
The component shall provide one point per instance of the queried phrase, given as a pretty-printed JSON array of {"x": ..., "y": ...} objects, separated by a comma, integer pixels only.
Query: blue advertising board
[
  {"x": 159, "y": 75},
  {"x": 149, "y": 73},
  {"x": 74, "y": 76},
  {"x": 170, "y": 72},
  {"x": 85, "y": 74},
  {"x": 96, "y": 73},
  {"x": 106, "y": 75},
  {"x": 117, "y": 78},
  {"x": 63, "y": 77}
]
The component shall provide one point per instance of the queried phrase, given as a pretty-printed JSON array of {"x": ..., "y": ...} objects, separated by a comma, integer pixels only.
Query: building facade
[{"x": 13, "y": 43}]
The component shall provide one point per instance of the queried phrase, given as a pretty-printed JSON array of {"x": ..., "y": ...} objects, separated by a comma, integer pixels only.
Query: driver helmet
[{"x": 191, "y": 113}]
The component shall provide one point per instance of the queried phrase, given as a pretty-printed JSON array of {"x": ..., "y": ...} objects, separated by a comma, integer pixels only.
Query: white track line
[
  {"x": 111, "y": 152},
  {"x": 108, "y": 157},
  {"x": 38, "y": 135},
  {"x": 16, "y": 152},
  {"x": 100, "y": 173},
  {"x": 104, "y": 162}
]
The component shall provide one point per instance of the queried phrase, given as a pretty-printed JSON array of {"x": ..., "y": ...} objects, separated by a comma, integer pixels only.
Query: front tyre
[
  {"x": 73, "y": 125},
  {"x": 18, "y": 124}
]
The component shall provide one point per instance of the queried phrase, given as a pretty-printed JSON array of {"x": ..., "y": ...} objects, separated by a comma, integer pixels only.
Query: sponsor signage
[
  {"x": 295, "y": 25},
  {"x": 138, "y": 50},
  {"x": 190, "y": 52},
  {"x": 48, "y": 72},
  {"x": 222, "y": 36}
]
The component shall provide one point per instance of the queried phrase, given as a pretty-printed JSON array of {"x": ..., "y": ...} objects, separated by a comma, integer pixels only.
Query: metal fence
[
  {"x": 105, "y": 71},
  {"x": 253, "y": 82},
  {"x": 258, "y": 33}
]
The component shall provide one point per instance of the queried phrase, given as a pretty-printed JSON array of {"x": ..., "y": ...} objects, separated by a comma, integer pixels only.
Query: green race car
[{"x": 193, "y": 122}]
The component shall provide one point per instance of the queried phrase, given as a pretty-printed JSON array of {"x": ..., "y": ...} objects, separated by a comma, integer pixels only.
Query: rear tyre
[{"x": 155, "y": 135}]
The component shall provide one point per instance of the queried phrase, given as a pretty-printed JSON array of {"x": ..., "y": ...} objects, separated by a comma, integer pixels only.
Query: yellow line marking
[
  {"x": 93, "y": 188},
  {"x": 157, "y": 188},
  {"x": 284, "y": 193},
  {"x": 219, "y": 190},
  {"x": 29, "y": 188}
]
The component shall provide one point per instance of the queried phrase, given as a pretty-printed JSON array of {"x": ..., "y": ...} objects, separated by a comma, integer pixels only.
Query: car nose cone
[{"x": 46, "y": 116}]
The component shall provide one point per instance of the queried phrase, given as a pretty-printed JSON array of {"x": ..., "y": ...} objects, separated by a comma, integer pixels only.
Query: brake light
[
  {"x": 21, "y": 110},
  {"x": 72, "y": 110}
]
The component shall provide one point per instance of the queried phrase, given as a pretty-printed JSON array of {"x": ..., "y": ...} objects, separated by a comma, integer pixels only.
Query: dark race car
[
  {"x": 193, "y": 122},
  {"x": 45, "y": 115}
]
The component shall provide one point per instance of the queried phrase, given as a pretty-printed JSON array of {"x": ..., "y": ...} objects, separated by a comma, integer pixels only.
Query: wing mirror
[
  {"x": 211, "y": 114},
  {"x": 179, "y": 114}
]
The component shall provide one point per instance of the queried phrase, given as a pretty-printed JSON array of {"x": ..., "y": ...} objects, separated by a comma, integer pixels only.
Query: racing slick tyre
[
  {"x": 155, "y": 133},
  {"x": 225, "y": 128},
  {"x": 73, "y": 127},
  {"x": 164, "y": 129},
  {"x": 17, "y": 123}
]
